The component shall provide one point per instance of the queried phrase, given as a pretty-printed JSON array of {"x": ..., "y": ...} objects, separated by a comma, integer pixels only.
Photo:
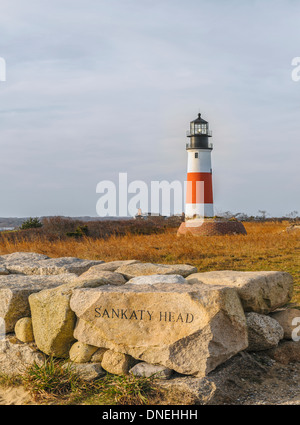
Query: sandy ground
[
  {"x": 14, "y": 396},
  {"x": 18, "y": 396},
  {"x": 245, "y": 380}
]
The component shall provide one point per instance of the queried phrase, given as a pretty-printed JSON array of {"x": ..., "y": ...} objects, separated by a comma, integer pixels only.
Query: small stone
[
  {"x": 23, "y": 330},
  {"x": 97, "y": 357},
  {"x": 117, "y": 363},
  {"x": 157, "y": 278},
  {"x": 288, "y": 320},
  {"x": 86, "y": 371},
  {"x": 148, "y": 370},
  {"x": 263, "y": 332},
  {"x": 81, "y": 353}
]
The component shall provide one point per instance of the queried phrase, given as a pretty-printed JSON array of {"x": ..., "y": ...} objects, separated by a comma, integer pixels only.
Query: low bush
[{"x": 31, "y": 223}]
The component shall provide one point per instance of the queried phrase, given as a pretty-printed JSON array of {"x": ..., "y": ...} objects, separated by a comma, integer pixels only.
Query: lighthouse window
[
  {"x": 200, "y": 128},
  {"x": 196, "y": 154}
]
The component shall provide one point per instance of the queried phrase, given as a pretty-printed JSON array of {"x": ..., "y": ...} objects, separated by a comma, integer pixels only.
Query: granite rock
[
  {"x": 117, "y": 363},
  {"x": 148, "y": 370},
  {"x": 112, "y": 266},
  {"x": 157, "y": 278},
  {"x": 30, "y": 263},
  {"x": 16, "y": 356},
  {"x": 81, "y": 353},
  {"x": 102, "y": 277},
  {"x": 263, "y": 332},
  {"x": 260, "y": 292},
  {"x": 143, "y": 269},
  {"x": 15, "y": 291},
  {"x": 88, "y": 372},
  {"x": 289, "y": 319}
]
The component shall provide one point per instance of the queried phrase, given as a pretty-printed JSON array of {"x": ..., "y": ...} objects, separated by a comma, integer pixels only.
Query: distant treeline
[
  {"x": 61, "y": 228},
  {"x": 261, "y": 216},
  {"x": 18, "y": 221},
  {"x": 15, "y": 222},
  {"x": 54, "y": 228}
]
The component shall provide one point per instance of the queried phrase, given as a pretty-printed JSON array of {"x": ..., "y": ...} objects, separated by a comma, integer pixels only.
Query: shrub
[
  {"x": 79, "y": 232},
  {"x": 31, "y": 223},
  {"x": 58, "y": 227}
]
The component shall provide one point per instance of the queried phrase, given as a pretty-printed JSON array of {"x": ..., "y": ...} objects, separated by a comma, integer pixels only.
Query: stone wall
[
  {"x": 141, "y": 318},
  {"x": 212, "y": 227}
]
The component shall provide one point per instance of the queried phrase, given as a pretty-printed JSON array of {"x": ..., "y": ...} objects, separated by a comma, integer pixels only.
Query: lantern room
[{"x": 199, "y": 133}]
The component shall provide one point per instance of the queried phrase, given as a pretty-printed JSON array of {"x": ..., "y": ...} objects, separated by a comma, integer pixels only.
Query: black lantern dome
[{"x": 199, "y": 133}]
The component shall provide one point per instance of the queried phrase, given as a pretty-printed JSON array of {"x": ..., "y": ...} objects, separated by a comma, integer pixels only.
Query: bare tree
[{"x": 263, "y": 214}]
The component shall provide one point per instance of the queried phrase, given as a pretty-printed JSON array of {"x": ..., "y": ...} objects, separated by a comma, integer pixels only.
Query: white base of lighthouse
[
  {"x": 198, "y": 210},
  {"x": 199, "y": 196}
]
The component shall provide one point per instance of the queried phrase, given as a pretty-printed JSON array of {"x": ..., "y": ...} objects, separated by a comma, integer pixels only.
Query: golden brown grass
[{"x": 266, "y": 247}]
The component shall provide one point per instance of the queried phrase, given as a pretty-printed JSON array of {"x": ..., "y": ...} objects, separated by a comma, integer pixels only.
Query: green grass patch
[
  {"x": 54, "y": 380},
  {"x": 124, "y": 390},
  {"x": 51, "y": 380}
]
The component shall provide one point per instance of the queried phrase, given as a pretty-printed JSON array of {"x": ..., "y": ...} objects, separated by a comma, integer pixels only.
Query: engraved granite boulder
[{"x": 190, "y": 328}]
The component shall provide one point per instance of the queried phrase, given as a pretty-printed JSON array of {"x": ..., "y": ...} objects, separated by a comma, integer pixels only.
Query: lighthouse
[
  {"x": 200, "y": 219},
  {"x": 199, "y": 193}
]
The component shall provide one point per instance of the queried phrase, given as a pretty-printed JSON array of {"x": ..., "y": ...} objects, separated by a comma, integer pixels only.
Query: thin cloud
[{"x": 106, "y": 87}]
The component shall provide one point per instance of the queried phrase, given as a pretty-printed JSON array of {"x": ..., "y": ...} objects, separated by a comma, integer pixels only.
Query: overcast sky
[{"x": 99, "y": 87}]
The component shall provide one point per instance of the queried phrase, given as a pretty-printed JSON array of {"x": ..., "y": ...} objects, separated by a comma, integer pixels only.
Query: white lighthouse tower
[
  {"x": 199, "y": 194},
  {"x": 199, "y": 208}
]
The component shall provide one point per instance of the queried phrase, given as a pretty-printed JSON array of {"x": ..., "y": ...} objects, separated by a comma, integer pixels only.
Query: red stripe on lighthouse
[{"x": 192, "y": 197}]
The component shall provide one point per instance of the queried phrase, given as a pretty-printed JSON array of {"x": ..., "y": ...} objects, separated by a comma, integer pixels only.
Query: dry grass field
[{"x": 267, "y": 246}]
